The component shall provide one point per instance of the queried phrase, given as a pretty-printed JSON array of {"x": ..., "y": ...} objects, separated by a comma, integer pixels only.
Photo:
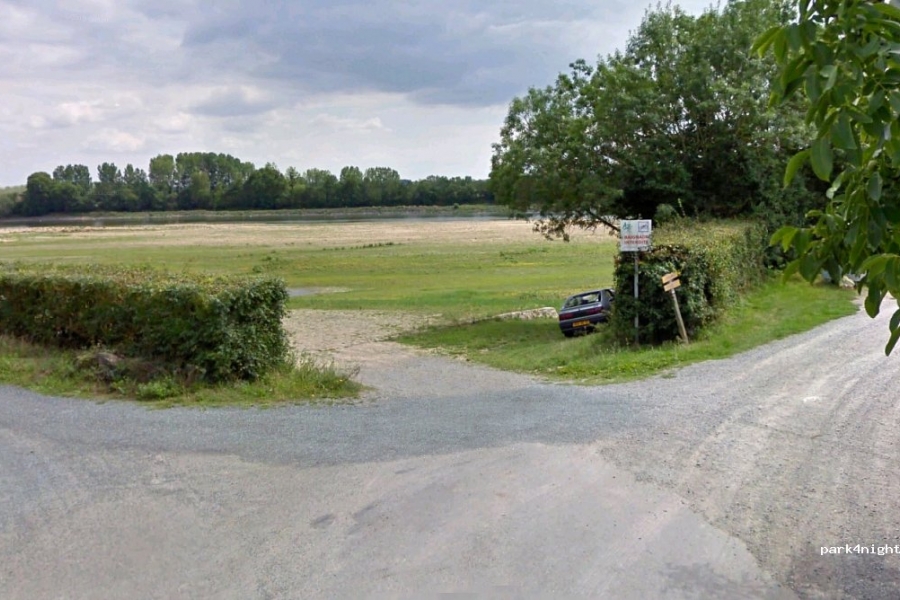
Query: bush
[
  {"x": 717, "y": 262},
  {"x": 226, "y": 328}
]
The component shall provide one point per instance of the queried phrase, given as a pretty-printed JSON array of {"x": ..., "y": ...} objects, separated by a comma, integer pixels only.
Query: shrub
[
  {"x": 224, "y": 327},
  {"x": 717, "y": 262}
]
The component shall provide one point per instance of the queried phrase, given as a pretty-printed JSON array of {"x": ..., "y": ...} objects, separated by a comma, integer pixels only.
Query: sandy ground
[
  {"x": 350, "y": 339},
  {"x": 312, "y": 234}
]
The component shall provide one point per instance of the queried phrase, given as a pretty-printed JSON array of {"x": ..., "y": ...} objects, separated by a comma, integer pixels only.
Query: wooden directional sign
[
  {"x": 671, "y": 281},
  {"x": 670, "y": 276}
]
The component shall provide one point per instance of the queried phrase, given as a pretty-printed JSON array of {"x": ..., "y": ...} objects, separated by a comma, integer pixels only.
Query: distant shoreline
[{"x": 212, "y": 216}]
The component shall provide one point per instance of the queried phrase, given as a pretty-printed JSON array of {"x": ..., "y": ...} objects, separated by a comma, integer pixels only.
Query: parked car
[{"x": 582, "y": 312}]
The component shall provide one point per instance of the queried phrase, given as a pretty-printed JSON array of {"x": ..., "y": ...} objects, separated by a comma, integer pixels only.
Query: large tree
[
  {"x": 844, "y": 56},
  {"x": 680, "y": 117}
]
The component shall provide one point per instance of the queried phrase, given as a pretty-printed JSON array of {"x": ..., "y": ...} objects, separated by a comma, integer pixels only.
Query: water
[{"x": 163, "y": 218}]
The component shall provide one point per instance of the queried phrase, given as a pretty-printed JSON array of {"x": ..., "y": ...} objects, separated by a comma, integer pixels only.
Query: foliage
[
  {"x": 716, "y": 262},
  {"x": 220, "y": 328},
  {"x": 209, "y": 181},
  {"x": 66, "y": 372},
  {"x": 9, "y": 198},
  {"x": 844, "y": 56},
  {"x": 679, "y": 118}
]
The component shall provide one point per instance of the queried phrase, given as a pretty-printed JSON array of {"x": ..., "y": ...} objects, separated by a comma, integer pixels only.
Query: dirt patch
[
  {"x": 338, "y": 335},
  {"x": 303, "y": 234}
]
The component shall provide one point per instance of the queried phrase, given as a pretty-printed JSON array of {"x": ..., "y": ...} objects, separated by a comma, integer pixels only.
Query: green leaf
[
  {"x": 784, "y": 236},
  {"x": 779, "y": 48},
  {"x": 842, "y": 134},
  {"x": 793, "y": 165},
  {"x": 762, "y": 43},
  {"x": 895, "y": 101},
  {"x": 859, "y": 117},
  {"x": 873, "y": 301},
  {"x": 892, "y": 273},
  {"x": 872, "y": 47},
  {"x": 822, "y": 159},
  {"x": 874, "y": 187},
  {"x": 892, "y": 341},
  {"x": 829, "y": 72},
  {"x": 875, "y": 265},
  {"x": 793, "y": 37},
  {"x": 810, "y": 267},
  {"x": 889, "y": 10},
  {"x": 789, "y": 271},
  {"x": 807, "y": 32},
  {"x": 876, "y": 101},
  {"x": 801, "y": 241},
  {"x": 813, "y": 88},
  {"x": 835, "y": 187}
]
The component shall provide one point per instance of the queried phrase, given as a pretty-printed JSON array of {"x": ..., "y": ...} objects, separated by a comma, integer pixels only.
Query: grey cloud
[
  {"x": 232, "y": 103},
  {"x": 470, "y": 53}
]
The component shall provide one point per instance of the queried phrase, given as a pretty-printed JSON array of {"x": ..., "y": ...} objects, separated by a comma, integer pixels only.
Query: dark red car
[{"x": 582, "y": 312}]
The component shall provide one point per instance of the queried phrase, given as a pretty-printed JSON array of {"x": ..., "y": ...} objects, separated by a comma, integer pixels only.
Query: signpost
[
  {"x": 634, "y": 236},
  {"x": 671, "y": 282}
]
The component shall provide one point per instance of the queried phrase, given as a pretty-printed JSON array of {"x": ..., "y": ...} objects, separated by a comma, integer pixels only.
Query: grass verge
[
  {"x": 772, "y": 311},
  {"x": 68, "y": 373}
]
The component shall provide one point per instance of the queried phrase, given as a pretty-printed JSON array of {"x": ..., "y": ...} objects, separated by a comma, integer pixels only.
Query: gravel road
[{"x": 723, "y": 479}]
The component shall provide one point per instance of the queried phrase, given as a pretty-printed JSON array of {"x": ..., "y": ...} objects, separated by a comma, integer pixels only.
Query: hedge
[
  {"x": 717, "y": 261},
  {"x": 225, "y": 328}
]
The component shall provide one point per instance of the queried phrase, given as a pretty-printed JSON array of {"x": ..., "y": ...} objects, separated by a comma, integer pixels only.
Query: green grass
[
  {"x": 457, "y": 280},
  {"x": 771, "y": 312},
  {"x": 64, "y": 372}
]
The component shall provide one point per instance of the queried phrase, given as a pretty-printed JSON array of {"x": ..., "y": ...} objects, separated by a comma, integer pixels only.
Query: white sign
[{"x": 634, "y": 236}]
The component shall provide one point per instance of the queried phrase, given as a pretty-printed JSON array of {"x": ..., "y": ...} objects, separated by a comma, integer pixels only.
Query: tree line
[
  {"x": 679, "y": 121},
  {"x": 210, "y": 181}
]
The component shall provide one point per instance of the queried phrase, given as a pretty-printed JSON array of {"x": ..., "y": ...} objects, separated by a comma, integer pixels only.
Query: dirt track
[{"x": 789, "y": 448}]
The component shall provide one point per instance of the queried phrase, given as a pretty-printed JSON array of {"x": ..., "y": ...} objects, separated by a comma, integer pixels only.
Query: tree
[
  {"x": 351, "y": 186},
  {"x": 844, "y": 56},
  {"x": 264, "y": 188},
  {"x": 295, "y": 185},
  {"x": 680, "y": 117},
  {"x": 109, "y": 189},
  {"x": 383, "y": 186},
  {"x": 37, "y": 199},
  {"x": 321, "y": 189}
]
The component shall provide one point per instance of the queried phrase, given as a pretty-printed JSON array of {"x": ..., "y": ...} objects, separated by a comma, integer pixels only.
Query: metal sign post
[
  {"x": 637, "y": 319},
  {"x": 634, "y": 236}
]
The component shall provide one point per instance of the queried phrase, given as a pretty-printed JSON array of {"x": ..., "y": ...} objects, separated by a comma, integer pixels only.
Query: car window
[{"x": 572, "y": 302}]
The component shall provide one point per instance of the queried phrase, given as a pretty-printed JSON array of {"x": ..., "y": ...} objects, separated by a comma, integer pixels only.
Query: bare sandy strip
[{"x": 309, "y": 234}]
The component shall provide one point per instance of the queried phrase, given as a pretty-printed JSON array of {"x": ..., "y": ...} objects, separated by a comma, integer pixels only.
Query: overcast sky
[{"x": 421, "y": 86}]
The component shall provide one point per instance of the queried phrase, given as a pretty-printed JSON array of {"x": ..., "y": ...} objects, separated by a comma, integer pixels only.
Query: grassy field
[
  {"x": 451, "y": 271},
  {"x": 459, "y": 269}
]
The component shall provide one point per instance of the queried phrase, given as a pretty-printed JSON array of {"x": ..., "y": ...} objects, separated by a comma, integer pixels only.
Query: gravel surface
[{"x": 721, "y": 480}]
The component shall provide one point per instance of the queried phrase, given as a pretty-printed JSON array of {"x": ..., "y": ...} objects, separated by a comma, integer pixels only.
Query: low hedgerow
[
  {"x": 717, "y": 262},
  {"x": 222, "y": 328}
]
